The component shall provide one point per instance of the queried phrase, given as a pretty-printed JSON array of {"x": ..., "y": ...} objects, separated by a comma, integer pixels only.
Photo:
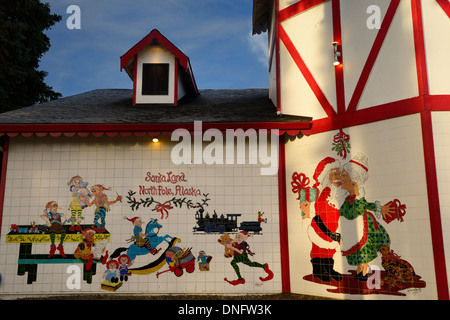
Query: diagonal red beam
[
  {"x": 445, "y": 5},
  {"x": 419, "y": 47},
  {"x": 373, "y": 55},
  {"x": 298, "y": 7},
  {"x": 306, "y": 73}
]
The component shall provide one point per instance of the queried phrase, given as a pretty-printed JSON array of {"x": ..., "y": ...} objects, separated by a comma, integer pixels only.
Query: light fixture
[
  {"x": 337, "y": 54},
  {"x": 155, "y": 140}
]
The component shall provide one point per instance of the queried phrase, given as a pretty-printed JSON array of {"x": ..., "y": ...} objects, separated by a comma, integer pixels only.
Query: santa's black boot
[
  {"x": 319, "y": 271},
  {"x": 329, "y": 265}
]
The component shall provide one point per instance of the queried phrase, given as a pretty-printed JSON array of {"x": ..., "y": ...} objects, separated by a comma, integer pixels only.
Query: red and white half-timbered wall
[{"x": 380, "y": 119}]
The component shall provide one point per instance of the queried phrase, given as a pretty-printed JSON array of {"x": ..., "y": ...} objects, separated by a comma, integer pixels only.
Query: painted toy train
[{"x": 222, "y": 224}]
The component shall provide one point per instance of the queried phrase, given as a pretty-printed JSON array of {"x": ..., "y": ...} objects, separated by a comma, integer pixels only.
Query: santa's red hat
[{"x": 323, "y": 168}]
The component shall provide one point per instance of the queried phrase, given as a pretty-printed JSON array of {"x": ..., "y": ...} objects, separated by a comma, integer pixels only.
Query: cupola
[{"x": 161, "y": 73}]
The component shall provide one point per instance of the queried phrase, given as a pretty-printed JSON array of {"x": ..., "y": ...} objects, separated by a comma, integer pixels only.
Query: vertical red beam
[
  {"x": 277, "y": 53},
  {"x": 175, "y": 91},
  {"x": 135, "y": 78},
  {"x": 284, "y": 244},
  {"x": 429, "y": 152},
  {"x": 339, "y": 70},
  {"x": 434, "y": 207},
  {"x": 3, "y": 177}
]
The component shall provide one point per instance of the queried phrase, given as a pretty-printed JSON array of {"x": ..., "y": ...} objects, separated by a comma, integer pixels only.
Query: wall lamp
[{"x": 337, "y": 54}]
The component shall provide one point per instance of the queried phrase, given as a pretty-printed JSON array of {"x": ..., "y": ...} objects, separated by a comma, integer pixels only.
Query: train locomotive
[{"x": 215, "y": 224}]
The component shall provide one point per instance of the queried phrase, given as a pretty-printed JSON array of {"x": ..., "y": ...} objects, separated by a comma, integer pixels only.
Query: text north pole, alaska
[{"x": 167, "y": 184}]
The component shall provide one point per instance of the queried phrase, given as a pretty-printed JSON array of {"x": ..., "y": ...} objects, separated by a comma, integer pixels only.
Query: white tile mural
[
  {"x": 116, "y": 215},
  {"x": 358, "y": 213}
]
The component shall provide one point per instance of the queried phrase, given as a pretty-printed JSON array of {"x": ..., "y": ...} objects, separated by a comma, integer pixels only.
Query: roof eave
[
  {"x": 261, "y": 15},
  {"x": 292, "y": 128}
]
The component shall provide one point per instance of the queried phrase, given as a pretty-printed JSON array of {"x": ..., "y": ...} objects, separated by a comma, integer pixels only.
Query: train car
[
  {"x": 220, "y": 224},
  {"x": 251, "y": 226}
]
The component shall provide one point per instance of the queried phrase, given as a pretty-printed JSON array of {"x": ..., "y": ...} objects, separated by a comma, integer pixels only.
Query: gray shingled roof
[{"x": 114, "y": 106}]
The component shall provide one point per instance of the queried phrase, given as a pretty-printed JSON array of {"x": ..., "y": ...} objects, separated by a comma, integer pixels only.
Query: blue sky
[{"x": 214, "y": 34}]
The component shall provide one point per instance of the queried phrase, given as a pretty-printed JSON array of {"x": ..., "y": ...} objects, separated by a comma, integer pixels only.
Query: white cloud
[
  {"x": 259, "y": 45},
  {"x": 213, "y": 33}
]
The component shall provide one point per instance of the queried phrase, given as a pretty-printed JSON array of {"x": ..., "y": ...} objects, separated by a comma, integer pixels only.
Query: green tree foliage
[{"x": 22, "y": 44}]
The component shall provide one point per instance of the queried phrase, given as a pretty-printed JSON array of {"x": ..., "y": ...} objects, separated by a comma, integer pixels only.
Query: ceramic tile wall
[
  {"x": 40, "y": 168},
  {"x": 396, "y": 171}
]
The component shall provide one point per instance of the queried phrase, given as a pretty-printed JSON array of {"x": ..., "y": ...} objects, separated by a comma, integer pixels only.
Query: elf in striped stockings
[
  {"x": 241, "y": 251},
  {"x": 102, "y": 206},
  {"x": 77, "y": 187}
]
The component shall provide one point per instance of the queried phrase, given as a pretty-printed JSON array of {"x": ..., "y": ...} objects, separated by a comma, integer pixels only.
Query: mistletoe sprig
[
  {"x": 341, "y": 144},
  {"x": 164, "y": 208}
]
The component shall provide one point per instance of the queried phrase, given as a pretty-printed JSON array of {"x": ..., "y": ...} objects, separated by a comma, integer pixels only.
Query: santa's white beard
[{"x": 337, "y": 196}]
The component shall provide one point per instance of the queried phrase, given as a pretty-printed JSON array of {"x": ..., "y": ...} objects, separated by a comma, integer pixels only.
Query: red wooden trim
[
  {"x": 434, "y": 207},
  {"x": 298, "y": 8},
  {"x": 175, "y": 91},
  {"x": 3, "y": 178},
  {"x": 154, "y": 34},
  {"x": 191, "y": 75},
  {"x": 419, "y": 45},
  {"x": 339, "y": 70},
  {"x": 277, "y": 37},
  {"x": 373, "y": 55},
  {"x": 445, "y": 5},
  {"x": 437, "y": 102},
  {"x": 382, "y": 112},
  {"x": 284, "y": 243},
  {"x": 86, "y": 129},
  {"x": 135, "y": 78},
  {"x": 306, "y": 73}
]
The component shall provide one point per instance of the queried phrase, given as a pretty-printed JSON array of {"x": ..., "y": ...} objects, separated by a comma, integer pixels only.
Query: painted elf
[
  {"x": 139, "y": 236},
  {"x": 102, "y": 206},
  {"x": 53, "y": 219},
  {"x": 77, "y": 186},
  {"x": 241, "y": 251}
]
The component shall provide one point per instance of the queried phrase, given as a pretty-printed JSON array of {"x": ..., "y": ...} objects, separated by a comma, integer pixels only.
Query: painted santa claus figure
[{"x": 323, "y": 216}]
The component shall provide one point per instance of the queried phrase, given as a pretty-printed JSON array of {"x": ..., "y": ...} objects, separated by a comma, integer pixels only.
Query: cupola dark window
[{"x": 155, "y": 79}]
